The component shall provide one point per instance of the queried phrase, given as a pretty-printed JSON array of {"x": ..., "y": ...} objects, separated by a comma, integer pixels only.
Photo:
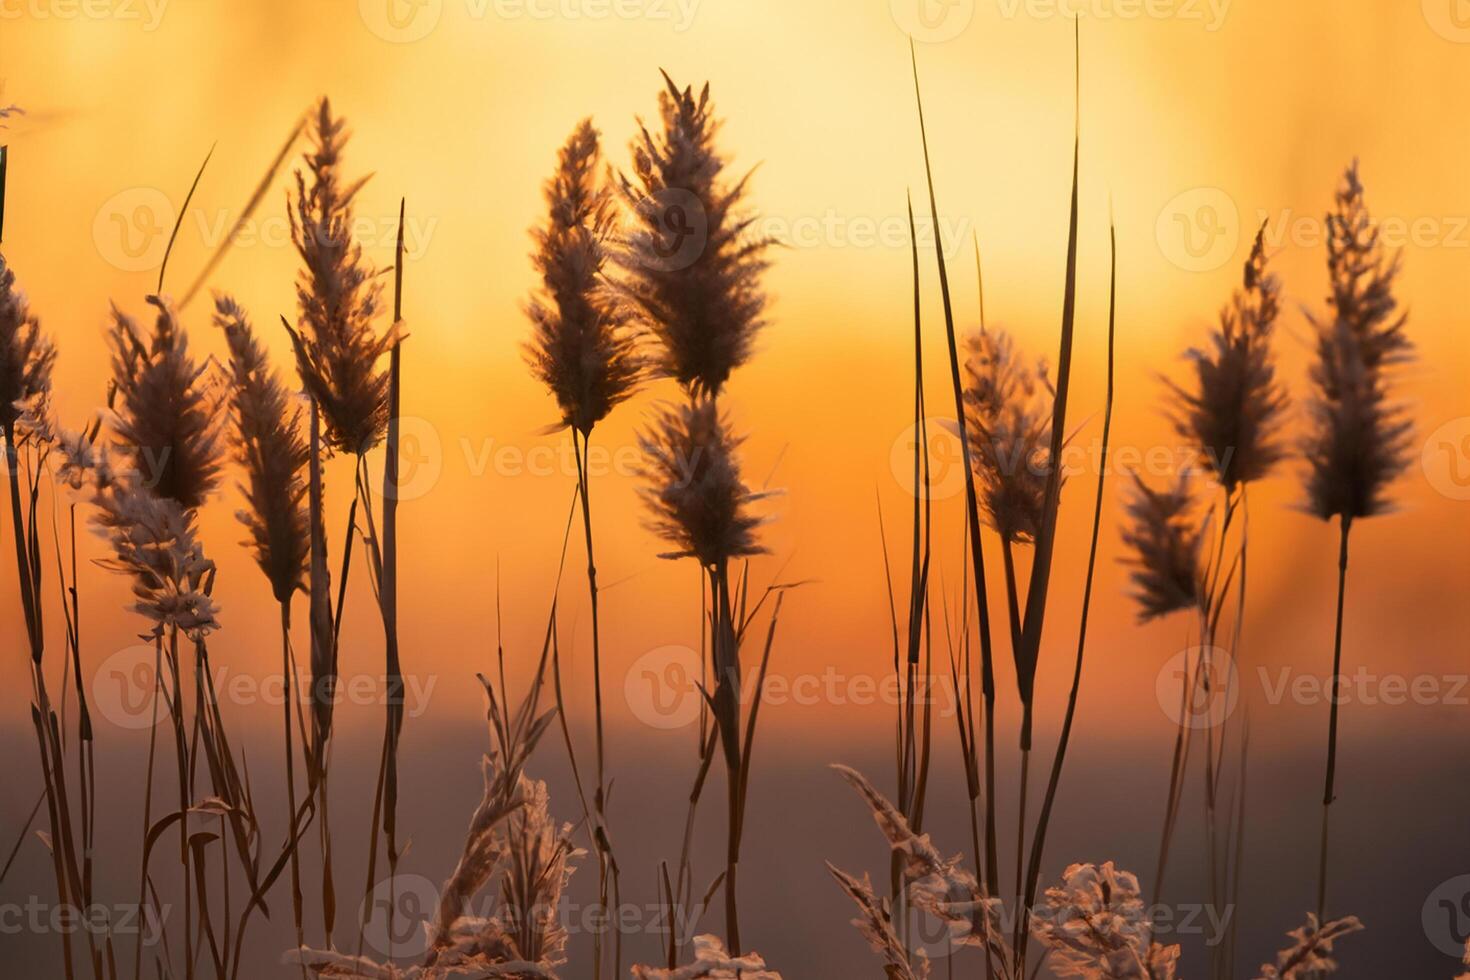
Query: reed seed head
[
  {"x": 698, "y": 500},
  {"x": 581, "y": 347},
  {"x": 1233, "y": 411},
  {"x": 1008, "y": 406},
  {"x": 166, "y": 411},
  {"x": 1310, "y": 955},
  {"x": 26, "y": 354},
  {"x": 691, "y": 266},
  {"x": 1166, "y": 543},
  {"x": 271, "y": 448},
  {"x": 1359, "y": 442},
  {"x": 338, "y": 351},
  {"x": 1096, "y": 927},
  {"x": 154, "y": 538}
]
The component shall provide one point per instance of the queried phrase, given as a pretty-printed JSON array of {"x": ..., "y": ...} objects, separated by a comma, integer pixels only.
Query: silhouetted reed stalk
[
  {"x": 272, "y": 449},
  {"x": 691, "y": 279},
  {"x": 26, "y": 360},
  {"x": 583, "y": 351},
  {"x": 338, "y": 353},
  {"x": 989, "y": 863},
  {"x": 1359, "y": 441},
  {"x": 1043, "y": 820},
  {"x": 912, "y": 731}
]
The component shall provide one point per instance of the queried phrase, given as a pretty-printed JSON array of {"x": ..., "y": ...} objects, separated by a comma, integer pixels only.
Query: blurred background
[{"x": 1199, "y": 121}]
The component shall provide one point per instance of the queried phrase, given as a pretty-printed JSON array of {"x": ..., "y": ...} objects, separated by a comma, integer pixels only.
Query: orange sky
[{"x": 465, "y": 120}]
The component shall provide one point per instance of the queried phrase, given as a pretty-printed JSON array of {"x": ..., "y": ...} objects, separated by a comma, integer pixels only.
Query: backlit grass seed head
[
  {"x": 271, "y": 448},
  {"x": 1358, "y": 442},
  {"x": 1362, "y": 276},
  {"x": 1233, "y": 410},
  {"x": 712, "y": 961},
  {"x": 1309, "y": 957},
  {"x": 153, "y": 538},
  {"x": 699, "y": 502},
  {"x": 1096, "y": 926},
  {"x": 1009, "y": 409},
  {"x": 582, "y": 347},
  {"x": 26, "y": 355},
  {"x": 338, "y": 349},
  {"x": 166, "y": 414},
  {"x": 1165, "y": 543},
  {"x": 691, "y": 264}
]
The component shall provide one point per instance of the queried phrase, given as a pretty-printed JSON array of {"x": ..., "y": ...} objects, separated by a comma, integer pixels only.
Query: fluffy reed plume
[
  {"x": 1009, "y": 407},
  {"x": 338, "y": 350},
  {"x": 271, "y": 447},
  {"x": 712, "y": 962},
  {"x": 166, "y": 418},
  {"x": 1166, "y": 544},
  {"x": 1466, "y": 961},
  {"x": 875, "y": 923},
  {"x": 1097, "y": 927},
  {"x": 153, "y": 538},
  {"x": 1234, "y": 409},
  {"x": 691, "y": 267},
  {"x": 937, "y": 885},
  {"x": 582, "y": 348},
  {"x": 1359, "y": 442},
  {"x": 699, "y": 502},
  {"x": 26, "y": 354},
  {"x": 1310, "y": 956}
]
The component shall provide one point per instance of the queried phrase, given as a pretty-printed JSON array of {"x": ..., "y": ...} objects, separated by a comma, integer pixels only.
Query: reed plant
[
  {"x": 690, "y": 272},
  {"x": 583, "y": 350},
  {"x": 1359, "y": 440}
]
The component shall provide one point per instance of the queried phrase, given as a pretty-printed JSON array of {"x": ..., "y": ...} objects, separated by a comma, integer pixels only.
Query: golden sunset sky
[{"x": 1198, "y": 121}]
